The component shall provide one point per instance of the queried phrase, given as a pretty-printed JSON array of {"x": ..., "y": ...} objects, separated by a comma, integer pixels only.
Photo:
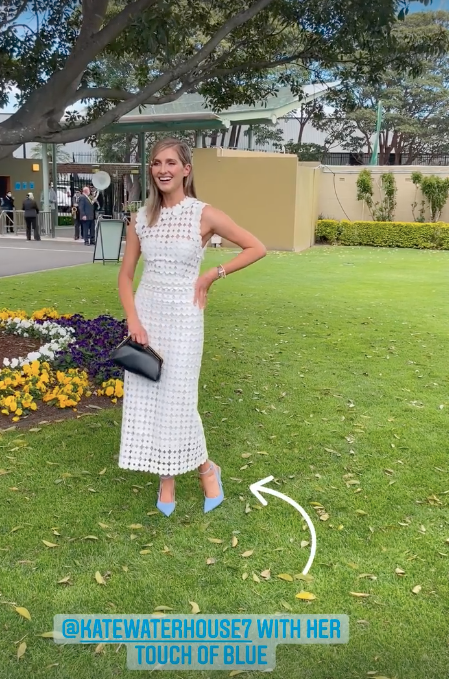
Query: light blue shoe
[
  {"x": 211, "y": 503},
  {"x": 166, "y": 508}
]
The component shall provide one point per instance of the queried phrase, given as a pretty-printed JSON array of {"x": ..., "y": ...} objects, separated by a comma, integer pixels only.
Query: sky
[{"x": 414, "y": 7}]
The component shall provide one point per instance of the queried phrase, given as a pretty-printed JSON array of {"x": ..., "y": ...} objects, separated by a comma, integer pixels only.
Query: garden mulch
[{"x": 12, "y": 346}]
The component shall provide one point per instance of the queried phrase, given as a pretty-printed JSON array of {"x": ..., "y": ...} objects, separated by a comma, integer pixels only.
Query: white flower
[
  {"x": 34, "y": 355},
  {"x": 6, "y": 361},
  {"x": 14, "y": 363}
]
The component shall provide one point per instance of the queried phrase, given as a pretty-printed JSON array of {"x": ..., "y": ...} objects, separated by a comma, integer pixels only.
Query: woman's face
[{"x": 168, "y": 171}]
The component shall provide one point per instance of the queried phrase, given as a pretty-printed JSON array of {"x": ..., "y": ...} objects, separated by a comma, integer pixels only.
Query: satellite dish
[{"x": 101, "y": 180}]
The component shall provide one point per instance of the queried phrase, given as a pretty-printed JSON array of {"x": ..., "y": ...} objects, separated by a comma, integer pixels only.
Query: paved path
[{"x": 19, "y": 256}]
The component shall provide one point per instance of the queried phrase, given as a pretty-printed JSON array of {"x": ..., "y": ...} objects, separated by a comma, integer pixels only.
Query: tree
[
  {"x": 415, "y": 109},
  {"x": 62, "y": 156},
  {"x": 221, "y": 48}
]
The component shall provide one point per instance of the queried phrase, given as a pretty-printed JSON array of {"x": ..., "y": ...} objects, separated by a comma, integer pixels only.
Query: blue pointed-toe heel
[
  {"x": 211, "y": 503},
  {"x": 166, "y": 508}
]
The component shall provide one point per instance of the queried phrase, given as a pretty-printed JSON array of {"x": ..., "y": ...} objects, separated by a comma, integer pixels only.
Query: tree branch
[
  {"x": 19, "y": 11},
  {"x": 75, "y": 133}
]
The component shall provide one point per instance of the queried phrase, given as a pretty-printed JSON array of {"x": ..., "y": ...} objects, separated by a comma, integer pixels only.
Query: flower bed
[{"x": 72, "y": 363}]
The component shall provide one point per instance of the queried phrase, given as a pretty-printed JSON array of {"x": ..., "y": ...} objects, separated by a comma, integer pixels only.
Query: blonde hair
[{"x": 154, "y": 201}]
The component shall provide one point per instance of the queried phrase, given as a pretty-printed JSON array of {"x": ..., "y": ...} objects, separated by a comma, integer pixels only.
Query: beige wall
[
  {"x": 18, "y": 170},
  {"x": 339, "y": 200},
  {"x": 265, "y": 193}
]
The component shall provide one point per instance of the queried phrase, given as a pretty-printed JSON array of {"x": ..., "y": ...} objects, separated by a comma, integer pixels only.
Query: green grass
[{"x": 335, "y": 363}]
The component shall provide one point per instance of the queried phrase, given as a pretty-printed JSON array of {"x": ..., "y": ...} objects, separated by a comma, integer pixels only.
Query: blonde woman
[{"x": 162, "y": 432}]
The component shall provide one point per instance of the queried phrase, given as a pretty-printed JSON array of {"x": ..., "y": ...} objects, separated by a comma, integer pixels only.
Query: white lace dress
[{"x": 162, "y": 432}]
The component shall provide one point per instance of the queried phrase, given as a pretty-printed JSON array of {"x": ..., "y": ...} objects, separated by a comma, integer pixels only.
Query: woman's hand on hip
[
  {"x": 138, "y": 332},
  {"x": 202, "y": 288}
]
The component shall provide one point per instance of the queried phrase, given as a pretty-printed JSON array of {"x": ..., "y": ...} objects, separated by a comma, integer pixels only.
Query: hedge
[
  {"x": 384, "y": 234},
  {"x": 65, "y": 220}
]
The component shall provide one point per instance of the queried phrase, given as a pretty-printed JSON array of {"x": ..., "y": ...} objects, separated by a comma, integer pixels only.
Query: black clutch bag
[{"x": 137, "y": 359}]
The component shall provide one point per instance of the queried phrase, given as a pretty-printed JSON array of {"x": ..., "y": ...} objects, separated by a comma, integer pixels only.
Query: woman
[
  {"x": 31, "y": 211},
  {"x": 162, "y": 430}
]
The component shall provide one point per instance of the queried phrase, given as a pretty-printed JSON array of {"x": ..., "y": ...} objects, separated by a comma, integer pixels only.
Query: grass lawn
[{"x": 334, "y": 363}]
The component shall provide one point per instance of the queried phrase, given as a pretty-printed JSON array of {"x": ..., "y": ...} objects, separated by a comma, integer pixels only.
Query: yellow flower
[
  {"x": 15, "y": 419},
  {"x": 109, "y": 391},
  {"x": 19, "y": 411},
  {"x": 33, "y": 406},
  {"x": 13, "y": 406},
  {"x": 5, "y": 412}
]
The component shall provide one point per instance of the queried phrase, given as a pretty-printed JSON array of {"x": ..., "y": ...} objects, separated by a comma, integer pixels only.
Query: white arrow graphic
[{"x": 259, "y": 487}]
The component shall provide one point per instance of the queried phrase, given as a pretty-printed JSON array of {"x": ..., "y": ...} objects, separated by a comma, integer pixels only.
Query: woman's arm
[
  {"x": 125, "y": 283},
  {"x": 215, "y": 221}
]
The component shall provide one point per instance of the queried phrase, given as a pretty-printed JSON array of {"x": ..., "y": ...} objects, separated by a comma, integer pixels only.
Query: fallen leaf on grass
[
  {"x": 49, "y": 544},
  {"x": 367, "y": 575},
  {"x": 286, "y": 605},
  {"x": 417, "y": 589},
  {"x": 399, "y": 571},
  {"x": 65, "y": 581},
  {"x": 306, "y": 577},
  {"x": 324, "y": 517},
  {"x": 103, "y": 525},
  {"x": 266, "y": 574},
  {"x": 90, "y": 537},
  {"x": 304, "y": 543},
  {"x": 245, "y": 555},
  {"x": 244, "y": 576},
  {"x": 234, "y": 541},
  {"x": 210, "y": 561},
  {"x": 234, "y": 673},
  {"x": 256, "y": 578},
  {"x": 99, "y": 649},
  {"x": 195, "y": 607},
  {"x": 135, "y": 526},
  {"x": 21, "y": 650},
  {"x": 163, "y": 608},
  {"x": 360, "y": 512},
  {"x": 305, "y": 596},
  {"x": 51, "y": 635},
  {"x": 145, "y": 551},
  {"x": 23, "y": 612},
  {"x": 216, "y": 541},
  {"x": 99, "y": 578},
  {"x": 359, "y": 594},
  {"x": 285, "y": 576}
]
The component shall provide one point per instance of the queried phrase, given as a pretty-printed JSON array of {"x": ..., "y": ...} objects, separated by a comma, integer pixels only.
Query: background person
[
  {"x": 31, "y": 212},
  {"x": 76, "y": 213},
  {"x": 87, "y": 216},
  {"x": 8, "y": 209},
  {"x": 162, "y": 431}
]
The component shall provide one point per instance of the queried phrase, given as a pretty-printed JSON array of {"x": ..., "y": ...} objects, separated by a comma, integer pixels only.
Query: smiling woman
[{"x": 162, "y": 430}]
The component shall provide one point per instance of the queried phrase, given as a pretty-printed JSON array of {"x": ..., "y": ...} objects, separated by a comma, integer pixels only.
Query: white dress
[{"x": 162, "y": 431}]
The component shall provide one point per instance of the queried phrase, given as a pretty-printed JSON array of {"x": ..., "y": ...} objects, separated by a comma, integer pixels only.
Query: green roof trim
[{"x": 189, "y": 112}]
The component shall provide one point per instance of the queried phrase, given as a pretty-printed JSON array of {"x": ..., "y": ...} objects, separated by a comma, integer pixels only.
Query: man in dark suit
[{"x": 87, "y": 216}]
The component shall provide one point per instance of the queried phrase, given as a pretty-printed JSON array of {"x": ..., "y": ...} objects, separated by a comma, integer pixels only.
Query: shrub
[
  {"x": 385, "y": 234},
  {"x": 65, "y": 220}
]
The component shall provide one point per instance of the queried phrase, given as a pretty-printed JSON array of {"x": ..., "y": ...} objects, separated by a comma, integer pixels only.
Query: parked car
[{"x": 64, "y": 199}]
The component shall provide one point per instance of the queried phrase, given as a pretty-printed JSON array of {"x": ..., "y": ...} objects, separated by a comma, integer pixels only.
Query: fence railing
[{"x": 44, "y": 221}]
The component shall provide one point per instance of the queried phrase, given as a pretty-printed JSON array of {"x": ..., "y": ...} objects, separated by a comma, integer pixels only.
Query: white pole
[{"x": 46, "y": 178}]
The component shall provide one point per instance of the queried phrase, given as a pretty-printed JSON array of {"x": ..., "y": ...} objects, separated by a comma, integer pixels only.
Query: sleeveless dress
[{"x": 162, "y": 431}]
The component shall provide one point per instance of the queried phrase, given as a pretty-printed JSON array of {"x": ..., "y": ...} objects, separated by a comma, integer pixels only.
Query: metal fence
[
  {"x": 44, "y": 221},
  {"x": 111, "y": 200}
]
